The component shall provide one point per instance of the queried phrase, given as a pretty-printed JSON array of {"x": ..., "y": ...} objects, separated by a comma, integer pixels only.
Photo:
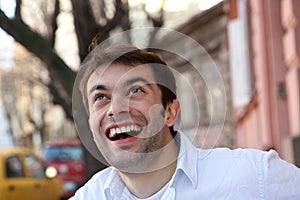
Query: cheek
[
  {"x": 97, "y": 116},
  {"x": 150, "y": 111},
  {"x": 147, "y": 106},
  {"x": 95, "y": 122},
  {"x": 157, "y": 111}
]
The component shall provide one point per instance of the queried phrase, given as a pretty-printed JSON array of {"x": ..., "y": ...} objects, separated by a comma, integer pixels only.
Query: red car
[{"x": 67, "y": 158}]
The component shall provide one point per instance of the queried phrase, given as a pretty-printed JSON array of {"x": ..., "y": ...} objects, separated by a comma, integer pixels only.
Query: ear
[{"x": 172, "y": 111}]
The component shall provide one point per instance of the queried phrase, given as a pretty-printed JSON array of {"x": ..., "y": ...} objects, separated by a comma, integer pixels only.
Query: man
[{"x": 130, "y": 97}]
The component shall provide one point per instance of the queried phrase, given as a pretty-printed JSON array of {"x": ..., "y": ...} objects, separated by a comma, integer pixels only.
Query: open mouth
[{"x": 123, "y": 132}]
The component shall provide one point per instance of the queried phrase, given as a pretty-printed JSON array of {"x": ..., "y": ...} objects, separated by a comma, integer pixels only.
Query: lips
[{"x": 123, "y": 132}]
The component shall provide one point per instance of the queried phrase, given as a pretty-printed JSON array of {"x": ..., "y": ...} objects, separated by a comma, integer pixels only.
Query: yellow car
[{"x": 23, "y": 176}]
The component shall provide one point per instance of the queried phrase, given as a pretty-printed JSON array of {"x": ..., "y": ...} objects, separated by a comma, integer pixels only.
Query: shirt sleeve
[{"x": 281, "y": 179}]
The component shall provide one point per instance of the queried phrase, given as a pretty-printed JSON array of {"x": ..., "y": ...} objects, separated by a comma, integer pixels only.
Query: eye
[
  {"x": 135, "y": 90},
  {"x": 100, "y": 97}
]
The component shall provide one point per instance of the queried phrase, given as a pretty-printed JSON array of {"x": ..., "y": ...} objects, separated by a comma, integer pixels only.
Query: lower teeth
[{"x": 122, "y": 136}]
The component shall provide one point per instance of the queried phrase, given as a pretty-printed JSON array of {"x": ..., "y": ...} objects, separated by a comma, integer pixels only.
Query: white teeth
[
  {"x": 112, "y": 133},
  {"x": 124, "y": 129}
]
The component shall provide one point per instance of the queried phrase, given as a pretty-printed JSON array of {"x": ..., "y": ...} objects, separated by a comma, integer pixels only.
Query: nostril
[{"x": 110, "y": 114}]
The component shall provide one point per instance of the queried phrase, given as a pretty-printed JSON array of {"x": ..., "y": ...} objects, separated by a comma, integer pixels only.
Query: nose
[{"x": 117, "y": 106}]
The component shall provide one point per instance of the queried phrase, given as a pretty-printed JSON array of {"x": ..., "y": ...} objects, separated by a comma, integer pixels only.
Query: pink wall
[
  {"x": 291, "y": 42},
  {"x": 274, "y": 43}
]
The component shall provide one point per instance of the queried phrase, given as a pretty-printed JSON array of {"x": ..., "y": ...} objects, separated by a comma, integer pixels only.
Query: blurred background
[{"x": 255, "y": 44}]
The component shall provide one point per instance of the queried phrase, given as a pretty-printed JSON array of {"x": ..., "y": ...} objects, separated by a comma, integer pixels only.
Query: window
[
  {"x": 14, "y": 168},
  {"x": 35, "y": 167},
  {"x": 63, "y": 153},
  {"x": 241, "y": 73}
]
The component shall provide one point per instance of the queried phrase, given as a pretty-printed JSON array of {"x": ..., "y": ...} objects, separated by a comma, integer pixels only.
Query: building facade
[
  {"x": 205, "y": 67},
  {"x": 256, "y": 46},
  {"x": 270, "y": 115}
]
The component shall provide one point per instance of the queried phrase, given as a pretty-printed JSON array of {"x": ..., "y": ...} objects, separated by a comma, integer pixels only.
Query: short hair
[{"x": 131, "y": 56}]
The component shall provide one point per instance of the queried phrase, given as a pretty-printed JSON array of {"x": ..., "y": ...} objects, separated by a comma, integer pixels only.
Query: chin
[{"x": 136, "y": 162}]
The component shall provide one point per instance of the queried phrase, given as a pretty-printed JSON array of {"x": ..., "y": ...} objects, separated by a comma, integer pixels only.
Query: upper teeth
[{"x": 123, "y": 129}]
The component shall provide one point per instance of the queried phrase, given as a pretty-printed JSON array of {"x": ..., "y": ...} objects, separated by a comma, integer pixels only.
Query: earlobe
[{"x": 172, "y": 112}]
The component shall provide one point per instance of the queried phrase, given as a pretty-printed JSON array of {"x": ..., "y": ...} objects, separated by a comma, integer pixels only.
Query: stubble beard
[
  {"x": 143, "y": 160},
  {"x": 146, "y": 156},
  {"x": 152, "y": 142}
]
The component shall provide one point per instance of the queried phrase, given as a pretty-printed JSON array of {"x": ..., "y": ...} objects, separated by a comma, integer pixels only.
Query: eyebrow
[
  {"x": 128, "y": 82},
  {"x": 98, "y": 87},
  {"x": 134, "y": 80}
]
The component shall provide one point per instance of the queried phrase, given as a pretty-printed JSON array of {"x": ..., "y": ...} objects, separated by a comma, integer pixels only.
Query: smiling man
[
  {"x": 130, "y": 97},
  {"x": 127, "y": 118}
]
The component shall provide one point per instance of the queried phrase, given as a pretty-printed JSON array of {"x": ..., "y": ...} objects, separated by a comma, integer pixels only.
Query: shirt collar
[
  {"x": 114, "y": 186},
  {"x": 187, "y": 163},
  {"x": 187, "y": 159}
]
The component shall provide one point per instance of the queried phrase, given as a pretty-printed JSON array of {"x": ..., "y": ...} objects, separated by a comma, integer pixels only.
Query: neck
[{"x": 144, "y": 185}]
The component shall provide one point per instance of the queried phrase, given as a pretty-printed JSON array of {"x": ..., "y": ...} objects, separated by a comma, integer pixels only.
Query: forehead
[{"x": 118, "y": 73}]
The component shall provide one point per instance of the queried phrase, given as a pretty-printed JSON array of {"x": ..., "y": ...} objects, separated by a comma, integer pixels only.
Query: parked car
[
  {"x": 67, "y": 157},
  {"x": 24, "y": 176}
]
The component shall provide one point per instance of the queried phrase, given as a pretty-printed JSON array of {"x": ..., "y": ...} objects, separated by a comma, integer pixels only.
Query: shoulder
[
  {"x": 263, "y": 172},
  {"x": 266, "y": 160},
  {"x": 236, "y": 154},
  {"x": 237, "y": 164},
  {"x": 250, "y": 159}
]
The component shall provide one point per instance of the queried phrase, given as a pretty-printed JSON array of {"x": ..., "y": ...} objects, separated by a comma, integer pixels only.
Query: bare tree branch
[
  {"x": 85, "y": 26},
  {"x": 117, "y": 18},
  {"x": 125, "y": 22},
  {"x": 62, "y": 76},
  {"x": 120, "y": 18},
  {"x": 157, "y": 22},
  {"x": 18, "y": 10},
  {"x": 54, "y": 23},
  {"x": 58, "y": 99}
]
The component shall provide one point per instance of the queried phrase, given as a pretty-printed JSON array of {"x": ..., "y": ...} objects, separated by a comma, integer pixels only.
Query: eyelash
[
  {"x": 135, "y": 90},
  {"x": 98, "y": 96},
  {"x": 131, "y": 92}
]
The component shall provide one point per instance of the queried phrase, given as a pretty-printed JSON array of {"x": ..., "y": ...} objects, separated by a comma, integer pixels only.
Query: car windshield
[{"x": 63, "y": 153}]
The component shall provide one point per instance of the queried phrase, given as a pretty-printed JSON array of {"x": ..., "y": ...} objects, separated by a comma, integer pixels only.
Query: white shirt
[{"x": 218, "y": 173}]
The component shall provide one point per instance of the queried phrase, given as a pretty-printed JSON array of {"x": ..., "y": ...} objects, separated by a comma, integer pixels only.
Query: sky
[
  {"x": 6, "y": 41},
  {"x": 6, "y": 53},
  {"x": 8, "y": 7}
]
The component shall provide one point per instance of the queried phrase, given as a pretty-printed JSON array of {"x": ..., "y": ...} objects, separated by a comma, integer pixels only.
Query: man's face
[{"x": 127, "y": 118}]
